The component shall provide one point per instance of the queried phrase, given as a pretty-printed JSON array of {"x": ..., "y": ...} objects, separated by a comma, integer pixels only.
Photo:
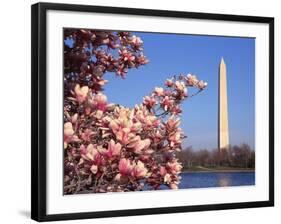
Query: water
[{"x": 216, "y": 179}]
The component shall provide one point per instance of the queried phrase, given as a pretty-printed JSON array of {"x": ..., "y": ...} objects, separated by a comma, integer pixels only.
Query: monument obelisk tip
[{"x": 222, "y": 61}]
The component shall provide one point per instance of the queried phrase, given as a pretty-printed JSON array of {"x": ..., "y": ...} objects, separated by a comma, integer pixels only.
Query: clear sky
[{"x": 171, "y": 54}]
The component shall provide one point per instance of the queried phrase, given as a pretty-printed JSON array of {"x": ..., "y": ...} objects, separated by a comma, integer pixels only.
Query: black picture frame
[{"x": 39, "y": 115}]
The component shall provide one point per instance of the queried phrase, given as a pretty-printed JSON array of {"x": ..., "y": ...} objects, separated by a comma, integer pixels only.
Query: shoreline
[{"x": 218, "y": 171}]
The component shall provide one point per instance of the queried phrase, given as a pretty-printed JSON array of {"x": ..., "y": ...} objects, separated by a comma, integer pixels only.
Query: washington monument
[{"x": 223, "y": 136}]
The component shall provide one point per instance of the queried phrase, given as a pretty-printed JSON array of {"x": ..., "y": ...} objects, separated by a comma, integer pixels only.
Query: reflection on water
[
  {"x": 216, "y": 179},
  {"x": 223, "y": 181}
]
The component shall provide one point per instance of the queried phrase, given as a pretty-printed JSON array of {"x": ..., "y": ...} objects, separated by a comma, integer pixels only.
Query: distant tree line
[{"x": 238, "y": 156}]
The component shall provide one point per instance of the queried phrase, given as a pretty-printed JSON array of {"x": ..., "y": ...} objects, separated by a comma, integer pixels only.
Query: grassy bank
[{"x": 217, "y": 169}]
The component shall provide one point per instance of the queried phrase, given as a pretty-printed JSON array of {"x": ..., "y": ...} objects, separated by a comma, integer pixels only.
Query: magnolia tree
[{"x": 108, "y": 147}]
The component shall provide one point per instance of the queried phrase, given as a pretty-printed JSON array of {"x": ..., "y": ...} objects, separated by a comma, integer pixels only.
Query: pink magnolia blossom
[
  {"x": 121, "y": 129},
  {"x": 181, "y": 89},
  {"x": 69, "y": 134},
  {"x": 88, "y": 153},
  {"x": 124, "y": 135},
  {"x": 173, "y": 123},
  {"x": 166, "y": 103},
  {"x": 122, "y": 71},
  {"x": 81, "y": 93},
  {"x": 174, "y": 167},
  {"x": 191, "y": 80},
  {"x": 136, "y": 42},
  {"x": 94, "y": 169},
  {"x": 169, "y": 82},
  {"x": 125, "y": 167},
  {"x": 87, "y": 134},
  {"x": 146, "y": 118},
  {"x": 152, "y": 121},
  {"x": 175, "y": 139},
  {"x": 157, "y": 136},
  {"x": 126, "y": 55},
  {"x": 149, "y": 101},
  {"x": 141, "y": 60},
  {"x": 167, "y": 178},
  {"x": 202, "y": 84},
  {"x": 139, "y": 170},
  {"x": 138, "y": 145},
  {"x": 175, "y": 110},
  {"x": 100, "y": 102},
  {"x": 74, "y": 118},
  {"x": 163, "y": 171},
  {"x": 113, "y": 149},
  {"x": 68, "y": 129},
  {"x": 180, "y": 86},
  {"x": 159, "y": 91},
  {"x": 136, "y": 127}
]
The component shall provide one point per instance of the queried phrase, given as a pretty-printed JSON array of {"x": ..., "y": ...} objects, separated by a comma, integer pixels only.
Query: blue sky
[{"x": 171, "y": 54}]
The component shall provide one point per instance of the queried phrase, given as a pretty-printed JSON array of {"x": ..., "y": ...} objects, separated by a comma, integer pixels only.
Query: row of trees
[{"x": 238, "y": 156}]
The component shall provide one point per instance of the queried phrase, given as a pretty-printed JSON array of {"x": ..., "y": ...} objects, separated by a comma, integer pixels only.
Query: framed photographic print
[{"x": 139, "y": 111}]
